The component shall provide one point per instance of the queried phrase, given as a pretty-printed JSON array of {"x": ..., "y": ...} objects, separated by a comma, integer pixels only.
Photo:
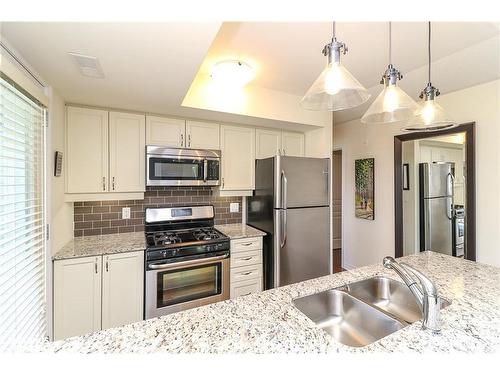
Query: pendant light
[
  {"x": 431, "y": 116},
  {"x": 392, "y": 104},
  {"x": 335, "y": 88}
]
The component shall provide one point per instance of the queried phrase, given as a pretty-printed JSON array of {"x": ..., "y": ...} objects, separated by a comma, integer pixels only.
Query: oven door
[{"x": 173, "y": 287}]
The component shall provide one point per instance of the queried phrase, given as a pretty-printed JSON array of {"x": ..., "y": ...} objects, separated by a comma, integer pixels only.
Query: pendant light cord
[
  {"x": 333, "y": 30},
  {"x": 429, "y": 50},
  {"x": 390, "y": 43}
]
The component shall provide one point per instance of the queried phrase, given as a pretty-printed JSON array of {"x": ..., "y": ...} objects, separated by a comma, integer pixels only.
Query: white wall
[
  {"x": 366, "y": 242},
  {"x": 61, "y": 213}
]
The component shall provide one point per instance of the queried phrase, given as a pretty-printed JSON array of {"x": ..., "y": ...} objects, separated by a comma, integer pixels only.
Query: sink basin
[
  {"x": 389, "y": 295},
  {"x": 347, "y": 319}
]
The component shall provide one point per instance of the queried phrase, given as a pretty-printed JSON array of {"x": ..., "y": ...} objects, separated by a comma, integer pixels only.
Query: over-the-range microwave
[{"x": 182, "y": 167}]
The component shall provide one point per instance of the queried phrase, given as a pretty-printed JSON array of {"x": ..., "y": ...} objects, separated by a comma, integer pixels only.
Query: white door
[
  {"x": 77, "y": 296},
  {"x": 293, "y": 144},
  {"x": 267, "y": 143},
  {"x": 122, "y": 288},
  {"x": 126, "y": 152},
  {"x": 163, "y": 131},
  {"x": 203, "y": 135},
  {"x": 86, "y": 150},
  {"x": 238, "y": 158}
]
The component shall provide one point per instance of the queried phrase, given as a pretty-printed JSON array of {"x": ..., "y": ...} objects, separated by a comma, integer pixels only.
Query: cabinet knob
[
  {"x": 182, "y": 140},
  {"x": 189, "y": 140},
  {"x": 113, "y": 183},
  {"x": 104, "y": 184}
]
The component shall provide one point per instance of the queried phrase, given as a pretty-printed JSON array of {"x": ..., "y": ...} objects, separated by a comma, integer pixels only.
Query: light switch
[
  {"x": 126, "y": 213},
  {"x": 234, "y": 207}
]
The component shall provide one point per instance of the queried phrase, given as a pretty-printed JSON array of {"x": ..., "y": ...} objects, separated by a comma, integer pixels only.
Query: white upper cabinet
[
  {"x": 268, "y": 143},
  {"x": 122, "y": 288},
  {"x": 238, "y": 158},
  {"x": 163, "y": 131},
  {"x": 126, "y": 152},
  {"x": 202, "y": 135},
  {"x": 86, "y": 150},
  {"x": 292, "y": 144},
  {"x": 77, "y": 296}
]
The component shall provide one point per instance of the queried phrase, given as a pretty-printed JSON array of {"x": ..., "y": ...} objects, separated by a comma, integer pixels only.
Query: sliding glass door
[{"x": 22, "y": 218}]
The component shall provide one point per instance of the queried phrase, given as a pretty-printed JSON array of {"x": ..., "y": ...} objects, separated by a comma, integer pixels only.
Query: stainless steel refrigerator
[
  {"x": 291, "y": 205},
  {"x": 437, "y": 207}
]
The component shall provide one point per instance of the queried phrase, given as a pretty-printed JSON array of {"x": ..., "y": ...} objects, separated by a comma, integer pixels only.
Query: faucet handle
[{"x": 428, "y": 286}]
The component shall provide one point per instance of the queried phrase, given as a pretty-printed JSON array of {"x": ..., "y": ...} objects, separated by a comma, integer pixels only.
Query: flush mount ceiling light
[
  {"x": 335, "y": 88},
  {"x": 232, "y": 73},
  {"x": 431, "y": 116},
  {"x": 392, "y": 104}
]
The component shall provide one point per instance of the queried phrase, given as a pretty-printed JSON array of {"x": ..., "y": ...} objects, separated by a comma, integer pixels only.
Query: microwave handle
[{"x": 205, "y": 172}]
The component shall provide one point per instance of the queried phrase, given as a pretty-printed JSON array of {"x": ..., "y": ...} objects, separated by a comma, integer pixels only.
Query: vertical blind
[{"x": 22, "y": 218}]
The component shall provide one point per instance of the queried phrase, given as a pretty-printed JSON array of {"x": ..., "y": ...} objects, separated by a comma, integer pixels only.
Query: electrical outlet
[
  {"x": 234, "y": 207},
  {"x": 126, "y": 213}
]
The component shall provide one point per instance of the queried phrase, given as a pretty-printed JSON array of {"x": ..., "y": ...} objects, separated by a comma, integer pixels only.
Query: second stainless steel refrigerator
[{"x": 291, "y": 205}]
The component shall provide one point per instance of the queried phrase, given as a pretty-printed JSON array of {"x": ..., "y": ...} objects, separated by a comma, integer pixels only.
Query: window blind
[{"x": 22, "y": 218}]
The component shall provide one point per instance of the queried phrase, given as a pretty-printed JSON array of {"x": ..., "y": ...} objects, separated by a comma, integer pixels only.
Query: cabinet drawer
[
  {"x": 244, "y": 288},
  {"x": 246, "y": 258},
  {"x": 245, "y": 244},
  {"x": 245, "y": 273}
]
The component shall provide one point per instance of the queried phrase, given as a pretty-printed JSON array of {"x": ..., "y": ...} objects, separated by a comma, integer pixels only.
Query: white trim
[{"x": 17, "y": 73}]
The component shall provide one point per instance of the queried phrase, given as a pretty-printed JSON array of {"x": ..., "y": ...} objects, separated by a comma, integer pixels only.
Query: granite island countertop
[
  {"x": 236, "y": 231},
  {"x": 267, "y": 322},
  {"x": 101, "y": 245}
]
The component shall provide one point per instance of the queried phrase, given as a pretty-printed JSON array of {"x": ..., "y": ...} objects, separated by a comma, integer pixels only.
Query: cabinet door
[
  {"x": 202, "y": 135},
  {"x": 163, "y": 131},
  {"x": 86, "y": 150},
  {"x": 293, "y": 144},
  {"x": 267, "y": 143},
  {"x": 238, "y": 158},
  {"x": 126, "y": 152},
  {"x": 122, "y": 288},
  {"x": 77, "y": 296}
]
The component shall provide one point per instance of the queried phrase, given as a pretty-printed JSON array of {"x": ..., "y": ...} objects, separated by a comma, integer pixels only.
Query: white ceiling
[{"x": 149, "y": 67}]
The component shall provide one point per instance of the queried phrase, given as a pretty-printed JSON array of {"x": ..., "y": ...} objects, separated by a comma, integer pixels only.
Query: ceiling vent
[{"x": 89, "y": 66}]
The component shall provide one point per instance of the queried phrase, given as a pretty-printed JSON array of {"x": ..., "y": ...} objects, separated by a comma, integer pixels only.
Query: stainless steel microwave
[{"x": 182, "y": 167}]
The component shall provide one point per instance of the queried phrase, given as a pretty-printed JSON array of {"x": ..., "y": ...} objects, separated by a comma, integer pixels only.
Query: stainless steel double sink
[{"x": 363, "y": 312}]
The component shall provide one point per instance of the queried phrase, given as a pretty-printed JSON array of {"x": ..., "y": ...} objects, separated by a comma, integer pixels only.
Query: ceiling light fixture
[
  {"x": 392, "y": 104},
  {"x": 232, "y": 73},
  {"x": 335, "y": 88},
  {"x": 431, "y": 116}
]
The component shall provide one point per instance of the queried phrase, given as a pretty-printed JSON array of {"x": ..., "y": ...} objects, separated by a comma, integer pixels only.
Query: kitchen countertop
[
  {"x": 267, "y": 322},
  {"x": 235, "y": 231},
  {"x": 101, "y": 245}
]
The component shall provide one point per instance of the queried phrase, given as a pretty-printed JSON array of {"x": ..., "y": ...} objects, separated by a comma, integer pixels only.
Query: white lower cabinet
[
  {"x": 94, "y": 293},
  {"x": 122, "y": 289},
  {"x": 246, "y": 267}
]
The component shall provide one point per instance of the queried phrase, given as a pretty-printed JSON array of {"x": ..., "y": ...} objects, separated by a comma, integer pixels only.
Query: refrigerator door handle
[
  {"x": 452, "y": 209},
  {"x": 283, "y": 228},
  {"x": 284, "y": 183}
]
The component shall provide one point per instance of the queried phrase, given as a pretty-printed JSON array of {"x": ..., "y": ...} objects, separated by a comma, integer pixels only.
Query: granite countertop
[
  {"x": 267, "y": 322},
  {"x": 101, "y": 245},
  {"x": 235, "y": 231}
]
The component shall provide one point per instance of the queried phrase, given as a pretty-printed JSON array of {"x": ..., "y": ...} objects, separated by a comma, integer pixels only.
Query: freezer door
[
  {"x": 438, "y": 222},
  {"x": 301, "y": 245},
  {"x": 437, "y": 179},
  {"x": 300, "y": 182}
]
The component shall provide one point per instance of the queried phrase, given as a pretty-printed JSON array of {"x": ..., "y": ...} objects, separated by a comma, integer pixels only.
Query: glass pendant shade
[
  {"x": 429, "y": 117},
  {"x": 335, "y": 89},
  {"x": 392, "y": 105}
]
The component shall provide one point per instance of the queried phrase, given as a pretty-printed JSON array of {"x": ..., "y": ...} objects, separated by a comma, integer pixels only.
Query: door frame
[
  {"x": 342, "y": 173},
  {"x": 470, "y": 195}
]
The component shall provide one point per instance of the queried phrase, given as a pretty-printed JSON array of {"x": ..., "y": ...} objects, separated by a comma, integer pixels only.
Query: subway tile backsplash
[{"x": 104, "y": 217}]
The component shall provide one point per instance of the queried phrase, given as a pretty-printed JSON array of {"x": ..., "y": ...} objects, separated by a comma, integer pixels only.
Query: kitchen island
[{"x": 267, "y": 322}]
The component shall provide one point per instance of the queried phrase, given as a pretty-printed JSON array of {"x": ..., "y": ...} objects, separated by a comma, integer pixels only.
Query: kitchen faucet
[{"x": 423, "y": 289}]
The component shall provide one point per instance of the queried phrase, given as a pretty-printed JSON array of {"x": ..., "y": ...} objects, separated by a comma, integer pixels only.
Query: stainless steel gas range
[{"x": 187, "y": 260}]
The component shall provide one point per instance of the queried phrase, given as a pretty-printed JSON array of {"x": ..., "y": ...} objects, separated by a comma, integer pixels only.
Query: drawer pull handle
[
  {"x": 246, "y": 273},
  {"x": 246, "y": 244},
  {"x": 247, "y": 258},
  {"x": 246, "y": 294}
]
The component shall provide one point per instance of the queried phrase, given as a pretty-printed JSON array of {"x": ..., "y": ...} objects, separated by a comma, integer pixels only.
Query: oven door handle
[
  {"x": 205, "y": 171},
  {"x": 172, "y": 266}
]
